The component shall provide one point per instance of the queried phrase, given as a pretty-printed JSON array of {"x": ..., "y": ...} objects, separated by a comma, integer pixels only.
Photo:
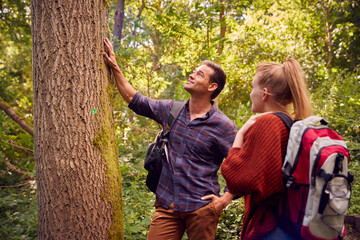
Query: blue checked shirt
[{"x": 196, "y": 151}]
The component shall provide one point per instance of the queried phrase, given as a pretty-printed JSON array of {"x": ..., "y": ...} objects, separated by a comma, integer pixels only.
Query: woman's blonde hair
[{"x": 287, "y": 85}]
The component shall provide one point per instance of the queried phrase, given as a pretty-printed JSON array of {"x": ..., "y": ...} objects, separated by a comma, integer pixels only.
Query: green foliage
[
  {"x": 133, "y": 140},
  {"x": 15, "y": 55},
  {"x": 18, "y": 206},
  {"x": 18, "y": 214},
  {"x": 230, "y": 223},
  {"x": 338, "y": 101},
  {"x": 354, "y": 168},
  {"x": 138, "y": 203}
]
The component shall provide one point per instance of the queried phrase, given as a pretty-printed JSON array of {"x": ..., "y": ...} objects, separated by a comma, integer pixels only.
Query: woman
[{"x": 253, "y": 166}]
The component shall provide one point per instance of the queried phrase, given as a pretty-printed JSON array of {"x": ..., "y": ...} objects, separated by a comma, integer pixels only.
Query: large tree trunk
[{"x": 77, "y": 169}]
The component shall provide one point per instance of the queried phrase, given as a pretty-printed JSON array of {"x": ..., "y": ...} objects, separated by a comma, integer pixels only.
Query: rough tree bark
[{"x": 77, "y": 169}]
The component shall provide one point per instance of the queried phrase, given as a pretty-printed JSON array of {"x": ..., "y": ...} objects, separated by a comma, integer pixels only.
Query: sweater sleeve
[{"x": 255, "y": 168}]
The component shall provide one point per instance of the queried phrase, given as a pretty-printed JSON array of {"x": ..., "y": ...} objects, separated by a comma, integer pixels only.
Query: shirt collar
[{"x": 209, "y": 113}]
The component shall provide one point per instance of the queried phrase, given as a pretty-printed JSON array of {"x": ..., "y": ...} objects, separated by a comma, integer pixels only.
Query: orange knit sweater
[{"x": 254, "y": 171}]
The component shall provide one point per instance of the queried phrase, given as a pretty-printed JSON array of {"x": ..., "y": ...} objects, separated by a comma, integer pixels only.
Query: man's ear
[{"x": 212, "y": 87}]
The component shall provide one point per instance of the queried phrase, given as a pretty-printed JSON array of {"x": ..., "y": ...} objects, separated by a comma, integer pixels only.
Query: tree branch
[
  {"x": 141, "y": 9},
  {"x": 13, "y": 168},
  {"x": 17, "y": 146},
  {"x": 19, "y": 185},
  {"x": 15, "y": 116}
]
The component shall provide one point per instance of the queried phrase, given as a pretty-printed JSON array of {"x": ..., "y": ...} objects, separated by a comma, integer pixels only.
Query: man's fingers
[
  {"x": 108, "y": 44},
  {"x": 109, "y": 56},
  {"x": 106, "y": 56},
  {"x": 212, "y": 196}
]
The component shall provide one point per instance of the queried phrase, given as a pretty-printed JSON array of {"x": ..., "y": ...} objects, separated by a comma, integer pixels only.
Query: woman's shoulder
[
  {"x": 268, "y": 122},
  {"x": 269, "y": 118}
]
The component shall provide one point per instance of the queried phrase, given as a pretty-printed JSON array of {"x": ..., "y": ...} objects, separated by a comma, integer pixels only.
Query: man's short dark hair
[{"x": 218, "y": 77}]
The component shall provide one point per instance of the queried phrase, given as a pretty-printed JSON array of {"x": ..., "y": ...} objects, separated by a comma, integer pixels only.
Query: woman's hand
[{"x": 239, "y": 138}]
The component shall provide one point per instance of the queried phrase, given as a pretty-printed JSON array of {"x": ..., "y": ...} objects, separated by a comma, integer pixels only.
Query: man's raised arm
[{"x": 124, "y": 87}]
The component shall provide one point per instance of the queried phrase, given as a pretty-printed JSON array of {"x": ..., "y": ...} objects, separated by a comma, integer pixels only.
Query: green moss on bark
[
  {"x": 106, "y": 143},
  {"x": 107, "y": 3}
]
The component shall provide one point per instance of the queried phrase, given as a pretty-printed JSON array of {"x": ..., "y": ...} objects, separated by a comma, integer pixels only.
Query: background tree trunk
[
  {"x": 77, "y": 169},
  {"x": 222, "y": 20},
  {"x": 119, "y": 20},
  {"x": 328, "y": 30}
]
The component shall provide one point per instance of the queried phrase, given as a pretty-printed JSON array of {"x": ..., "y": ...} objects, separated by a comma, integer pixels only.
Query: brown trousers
[{"x": 169, "y": 225}]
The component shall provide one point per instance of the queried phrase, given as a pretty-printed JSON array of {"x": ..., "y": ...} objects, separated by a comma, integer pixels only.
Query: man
[{"x": 187, "y": 196}]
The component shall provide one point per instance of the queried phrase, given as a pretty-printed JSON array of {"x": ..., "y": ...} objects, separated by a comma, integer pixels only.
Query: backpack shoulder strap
[
  {"x": 175, "y": 111},
  {"x": 288, "y": 123},
  {"x": 285, "y": 118}
]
